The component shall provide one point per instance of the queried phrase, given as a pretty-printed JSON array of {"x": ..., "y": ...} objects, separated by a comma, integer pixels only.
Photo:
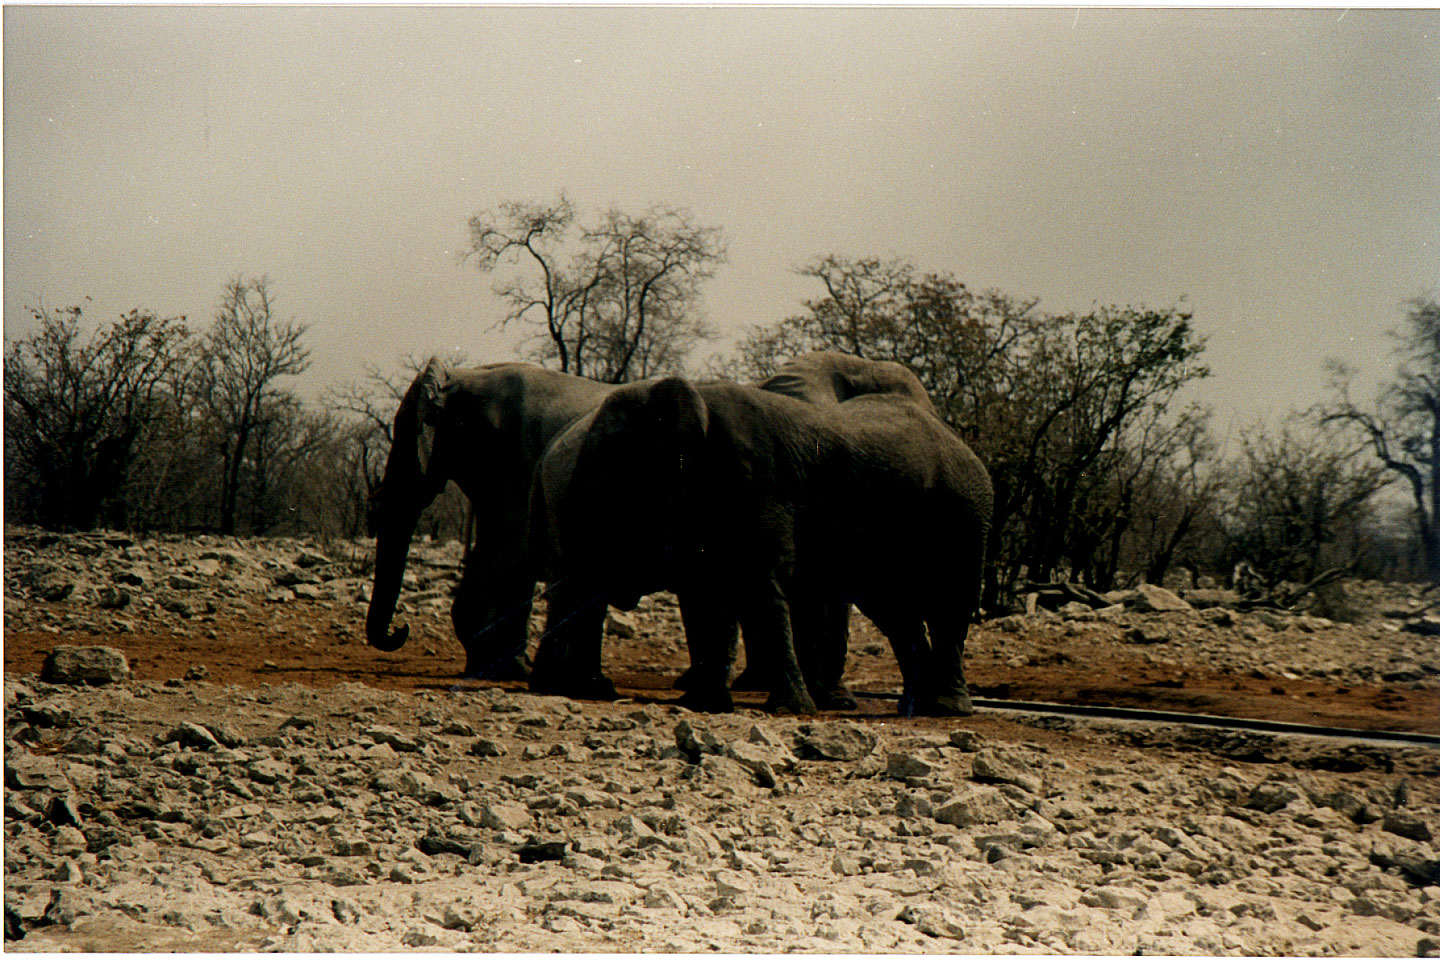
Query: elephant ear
[{"x": 429, "y": 406}]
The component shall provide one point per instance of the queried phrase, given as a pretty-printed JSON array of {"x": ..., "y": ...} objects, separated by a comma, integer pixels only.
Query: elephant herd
[{"x": 768, "y": 509}]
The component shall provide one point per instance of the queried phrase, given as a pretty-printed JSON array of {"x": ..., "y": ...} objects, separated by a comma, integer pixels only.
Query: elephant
[
  {"x": 822, "y": 632},
  {"x": 484, "y": 428},
  {"x": 750, "y": 504},
  {"x": 824, "y": 378}
]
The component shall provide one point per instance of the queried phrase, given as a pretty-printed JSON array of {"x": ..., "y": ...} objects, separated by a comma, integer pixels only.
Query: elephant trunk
[{"x": 392, "y": 549}]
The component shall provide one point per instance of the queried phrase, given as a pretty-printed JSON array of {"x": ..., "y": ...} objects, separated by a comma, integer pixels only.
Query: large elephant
[
  {"x": 748, "y": 503},
  {"x": 822, "y": 629},
  {"x": 568, "y": 661},
  {"x": 484, "y": 428}
]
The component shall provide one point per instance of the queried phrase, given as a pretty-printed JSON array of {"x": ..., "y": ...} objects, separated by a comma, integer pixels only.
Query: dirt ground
[
  {"x": 315, "y": 646},
  {"x": 262, "y": 779}
]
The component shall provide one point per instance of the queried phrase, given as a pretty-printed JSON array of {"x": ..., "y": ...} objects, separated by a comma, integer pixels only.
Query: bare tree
[
  {"x": 1050, "y": 403},
  {"x": 246, "y": 351},
  {"x": 617, "y": 300},
  {"x": 1403, "y": 425},
  {"x": 75, "y": 410},
  {"x": 1298, "y": 502}
]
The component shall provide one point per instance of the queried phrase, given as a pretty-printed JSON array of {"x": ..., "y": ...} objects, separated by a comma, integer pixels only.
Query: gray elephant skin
[
  {"x": 822, "y": 629},
  {"x": 486, "y": 428},
  {"x": 750, "y": 504}
]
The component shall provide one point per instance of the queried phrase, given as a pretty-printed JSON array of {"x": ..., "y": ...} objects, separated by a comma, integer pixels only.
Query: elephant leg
[
  {"x": 568, "y": 659},
  {"x": 822, "y": 640},
  {"x": 947, "y": 694},
  {"x": 759, "y": 672},
  {"x": 766, "y": 622},
  {"x": 906, "y": 633},
  {"x": 729, "y": 630},
  {"x": 491, "y": 616},
  {"x": 710, "y": 633}
]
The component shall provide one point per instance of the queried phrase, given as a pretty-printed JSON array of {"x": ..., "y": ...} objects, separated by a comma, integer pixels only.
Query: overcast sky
[{"x": 1280, "y": 169}]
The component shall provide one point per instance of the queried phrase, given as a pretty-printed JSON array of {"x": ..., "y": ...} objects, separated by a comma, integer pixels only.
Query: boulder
[
  {"x": 85, "y": 665},
  {"x": 1148, "y": 598}
]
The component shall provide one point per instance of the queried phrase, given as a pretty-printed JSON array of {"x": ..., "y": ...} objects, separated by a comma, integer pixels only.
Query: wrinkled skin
[
  {"x": 822, "y": 629},
  {"x": 751, "y": 504},
  {"x": 484, "y": 428}
]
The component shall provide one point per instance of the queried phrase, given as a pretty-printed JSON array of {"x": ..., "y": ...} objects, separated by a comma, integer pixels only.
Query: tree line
[{"x": 1105, "y": 472}]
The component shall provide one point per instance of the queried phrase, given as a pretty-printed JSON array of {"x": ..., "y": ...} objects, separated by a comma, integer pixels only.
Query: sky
[{"x": 1275, "y": 171}]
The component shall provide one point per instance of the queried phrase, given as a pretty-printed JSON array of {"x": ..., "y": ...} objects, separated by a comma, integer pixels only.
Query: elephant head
[
  {"x": 484, "y": 428},
  {"x": 415, "y": 474}
]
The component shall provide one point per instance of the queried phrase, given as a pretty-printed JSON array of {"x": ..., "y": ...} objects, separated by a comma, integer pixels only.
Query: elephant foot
[
  {"x": 597, "y": 687},
  {"x": 686, "y": 680},
  {"x": 836, "y": 698},
  {"x": 792, "y": 702},
  {"x": 949, "y": 705},
  {"x": 751, "y": 678},
  {"x": 708, "y": 701},
  {"x": 508, "y": 668}
]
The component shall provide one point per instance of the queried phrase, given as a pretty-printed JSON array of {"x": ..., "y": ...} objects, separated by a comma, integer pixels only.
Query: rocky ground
[{"x": 242, "y": 773}]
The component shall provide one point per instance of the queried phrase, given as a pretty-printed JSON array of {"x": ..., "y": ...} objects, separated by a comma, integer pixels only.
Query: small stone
[
  {"x": 226, "y": 735},
  {"x": 982, "y": 805},
  {"x": 191, "y": 735},
  {"x": 835, "y": 741},
  {"x": 485, "y": 747},
  {"x": 933, "y": 921},
  {"x": 730, "y": 884},
  {"x": 110, "y": 597},
  {"x": 419, "y": 938},
  {"x": 397, "y": 740},
  {"x": 69, "y": 841},
  {"x": 1271, "y": 796},
  {"x": 967, "y": 741},
  {"x": 459, "y": 918},
  {"x": 662, "y": 897},
  {"x": 991, "y": 767},
  {"x": 621, "y": 625},
  {"x": 269, "y": 771},
  {"x": 505, "y": 815},
  {"x": 1406, "y": 825},
  {"x": 694, "y": 741},
  {"x": 1115, "y": 898},
  {"x": 902, "y": 766}
]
